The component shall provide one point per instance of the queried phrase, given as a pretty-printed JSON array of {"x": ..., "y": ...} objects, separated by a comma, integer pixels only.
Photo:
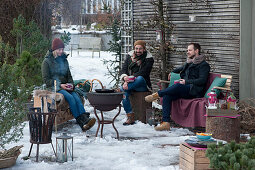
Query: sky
[{"x": 140, "y": 147}]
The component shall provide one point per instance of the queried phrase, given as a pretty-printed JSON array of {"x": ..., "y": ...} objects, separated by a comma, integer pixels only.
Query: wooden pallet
[{"x": 192, "y": 159}]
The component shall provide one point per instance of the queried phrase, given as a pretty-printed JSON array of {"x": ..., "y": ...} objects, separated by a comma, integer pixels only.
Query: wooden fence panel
[{"x": 216, "y": 28}]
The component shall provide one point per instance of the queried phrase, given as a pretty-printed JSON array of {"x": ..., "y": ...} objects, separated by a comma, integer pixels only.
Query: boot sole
[
  {"x": 127, "y": 124},
  {"x": 89, "y": 125}
]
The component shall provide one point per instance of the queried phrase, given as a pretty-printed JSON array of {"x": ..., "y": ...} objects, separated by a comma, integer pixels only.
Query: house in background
[{"x": 223, "y": 28}]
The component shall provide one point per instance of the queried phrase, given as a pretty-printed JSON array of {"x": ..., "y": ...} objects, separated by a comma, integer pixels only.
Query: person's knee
[{"x": 139, "y": 79}]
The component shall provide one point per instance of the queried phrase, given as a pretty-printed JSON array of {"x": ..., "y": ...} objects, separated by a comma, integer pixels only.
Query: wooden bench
[
  {"x": 90, "y": 43},
  {"x": 194, "y": 117}
]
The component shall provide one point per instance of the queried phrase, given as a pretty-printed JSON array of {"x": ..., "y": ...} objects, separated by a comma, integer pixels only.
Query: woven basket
[{"x": 8, "y": 162}]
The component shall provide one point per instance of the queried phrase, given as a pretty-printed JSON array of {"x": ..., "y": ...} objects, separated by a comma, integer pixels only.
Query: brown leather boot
[
  {"x": 152, "y": 97},
  {"x": 130, "y": 119},
  {"x": 163, "y": 126}
]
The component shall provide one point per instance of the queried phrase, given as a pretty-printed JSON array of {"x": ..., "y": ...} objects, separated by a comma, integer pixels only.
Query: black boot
[{"x": 85, "y": 121}]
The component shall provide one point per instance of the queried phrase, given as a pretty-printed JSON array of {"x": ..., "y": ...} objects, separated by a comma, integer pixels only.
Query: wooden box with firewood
[
  {"x": 43, "y": 99},
  {"x": 192, "y": 158}
]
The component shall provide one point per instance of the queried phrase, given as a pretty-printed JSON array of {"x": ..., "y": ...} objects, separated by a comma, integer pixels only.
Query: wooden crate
[{"x": 192, "y": 159}]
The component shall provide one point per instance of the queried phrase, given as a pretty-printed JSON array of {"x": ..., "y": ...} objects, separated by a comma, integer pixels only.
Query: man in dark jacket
[
  {"x": 193, "y": 73},
  {"x": 55, "y": 67},
  {"x": 135, "y": 75}
]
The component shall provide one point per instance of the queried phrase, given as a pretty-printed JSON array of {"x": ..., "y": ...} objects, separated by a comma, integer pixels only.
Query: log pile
[
  {"x": 13, "y": 152},
  {"x": 247, "y": 112}
]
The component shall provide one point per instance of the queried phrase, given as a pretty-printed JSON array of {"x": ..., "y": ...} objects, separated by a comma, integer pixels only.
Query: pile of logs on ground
[{"x": 247, "y": 112}]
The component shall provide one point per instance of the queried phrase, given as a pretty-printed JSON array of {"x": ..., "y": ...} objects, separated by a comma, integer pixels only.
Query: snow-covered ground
[{"x": 140, "y": 146}]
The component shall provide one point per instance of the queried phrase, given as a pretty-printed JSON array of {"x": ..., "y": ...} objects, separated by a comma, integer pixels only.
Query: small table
[{"x": 103, "y": 121}]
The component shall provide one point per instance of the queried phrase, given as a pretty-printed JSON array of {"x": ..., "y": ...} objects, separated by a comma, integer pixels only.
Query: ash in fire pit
[{"x": 104, "y": 90}]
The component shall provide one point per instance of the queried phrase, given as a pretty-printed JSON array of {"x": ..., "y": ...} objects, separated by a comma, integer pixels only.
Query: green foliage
[
  {"x": 29, "y": 69},
  {"x": 114, "y": 66},
  {"x": 232, "y": 155},
  {"x": 29, "y": 38},
  {"x": 5, "y": 51},
  {"x": 13, "y": 96},
  {"x": 99, "y": 27},
  {"x": 66, "y": 37}
]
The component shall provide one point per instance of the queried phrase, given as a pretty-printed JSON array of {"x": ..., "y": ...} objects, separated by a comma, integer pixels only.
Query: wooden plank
[
  {"x": 221, "y": 112},
  {"x": 216, "y": 29},
  {"x": 186, "y": 164},
  {"x": 192, "y": 158}
]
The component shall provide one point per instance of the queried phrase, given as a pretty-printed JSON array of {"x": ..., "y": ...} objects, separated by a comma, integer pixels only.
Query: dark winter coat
[
  {"x": 56, "y": 69},
  {"x": 144, "y": 69},
  {"x": 196, "y": 75}
]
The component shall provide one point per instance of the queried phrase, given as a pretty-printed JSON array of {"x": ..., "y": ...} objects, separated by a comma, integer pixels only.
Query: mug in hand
[
  {"x": 131, "y": 78},
  {"x": 69, "y": 86},
  {"x": 176, "y": 81}
]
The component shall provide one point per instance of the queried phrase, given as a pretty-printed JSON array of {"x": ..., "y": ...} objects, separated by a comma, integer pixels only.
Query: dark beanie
[
  {"x": 57, "y": 43},
  {"x": 140, "y": 42}
]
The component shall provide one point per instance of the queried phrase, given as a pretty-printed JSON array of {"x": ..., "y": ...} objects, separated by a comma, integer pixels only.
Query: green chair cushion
[
  {"x": 174, "y": 76},
  {"x": 220, "y": 82}
]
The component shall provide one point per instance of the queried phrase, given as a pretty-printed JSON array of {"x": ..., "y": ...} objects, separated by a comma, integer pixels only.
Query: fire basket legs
[
  {"x": 37, "y": 151},
  {"x": 103, "y": 121}
]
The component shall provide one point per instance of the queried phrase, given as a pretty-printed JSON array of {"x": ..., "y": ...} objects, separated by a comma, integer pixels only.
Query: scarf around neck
[
  {"x": 136, "y": 62},
  {"x": 196, "y": 60}
]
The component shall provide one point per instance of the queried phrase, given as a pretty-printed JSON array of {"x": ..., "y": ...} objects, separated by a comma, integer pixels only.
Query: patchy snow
[
  {"x": 140, "y": 146},
  {"x": 75, "y": 29}
]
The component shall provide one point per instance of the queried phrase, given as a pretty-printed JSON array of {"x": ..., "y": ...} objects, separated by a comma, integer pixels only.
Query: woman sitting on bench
[{"x": 55, "y": 67}]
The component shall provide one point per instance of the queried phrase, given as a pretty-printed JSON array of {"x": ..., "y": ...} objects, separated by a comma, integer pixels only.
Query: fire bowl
[{"x": 105, "y": 101}]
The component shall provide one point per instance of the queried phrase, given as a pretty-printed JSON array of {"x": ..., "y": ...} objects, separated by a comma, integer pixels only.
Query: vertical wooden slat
[{"x": 216, "y": 28}]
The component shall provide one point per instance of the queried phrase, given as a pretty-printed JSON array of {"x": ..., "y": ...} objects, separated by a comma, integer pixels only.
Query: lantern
[
  {"x": 212, "y": 100},
  {"x": 159, "y": 35},
  {"x": 64, "y": 148}
]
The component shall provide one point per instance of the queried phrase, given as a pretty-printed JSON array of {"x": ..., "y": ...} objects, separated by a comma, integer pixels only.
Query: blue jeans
[
  {"x": 171, "y": 93},
  {"x": 138, "y": 85},
  {"x": 74, "y": 102}
]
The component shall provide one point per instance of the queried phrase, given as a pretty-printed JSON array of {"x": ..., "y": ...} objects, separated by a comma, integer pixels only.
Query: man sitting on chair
[
  {"x": 138, "y": 64},
  {"x": 194, "y": 74}
]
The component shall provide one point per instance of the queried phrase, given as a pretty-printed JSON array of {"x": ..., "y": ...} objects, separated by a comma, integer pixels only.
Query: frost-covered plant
[{"x": 13, "y": 96}]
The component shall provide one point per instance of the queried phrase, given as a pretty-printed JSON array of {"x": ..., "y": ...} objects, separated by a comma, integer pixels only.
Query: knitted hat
[
  {"x": 140, "y": 42},
  {"x": 57, "y": 43}
]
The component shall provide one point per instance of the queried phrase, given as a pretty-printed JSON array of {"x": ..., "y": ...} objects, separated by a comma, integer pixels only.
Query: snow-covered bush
[{"x": 13, "y": 96}]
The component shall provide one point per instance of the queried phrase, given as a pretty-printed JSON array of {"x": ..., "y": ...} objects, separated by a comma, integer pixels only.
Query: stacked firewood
[
  {"x": 247, "y": 112},
  {"x": 15, "y": 151}
]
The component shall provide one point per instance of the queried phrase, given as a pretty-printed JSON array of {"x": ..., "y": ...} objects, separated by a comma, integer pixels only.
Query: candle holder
[{"x": 64, "y": 148}]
